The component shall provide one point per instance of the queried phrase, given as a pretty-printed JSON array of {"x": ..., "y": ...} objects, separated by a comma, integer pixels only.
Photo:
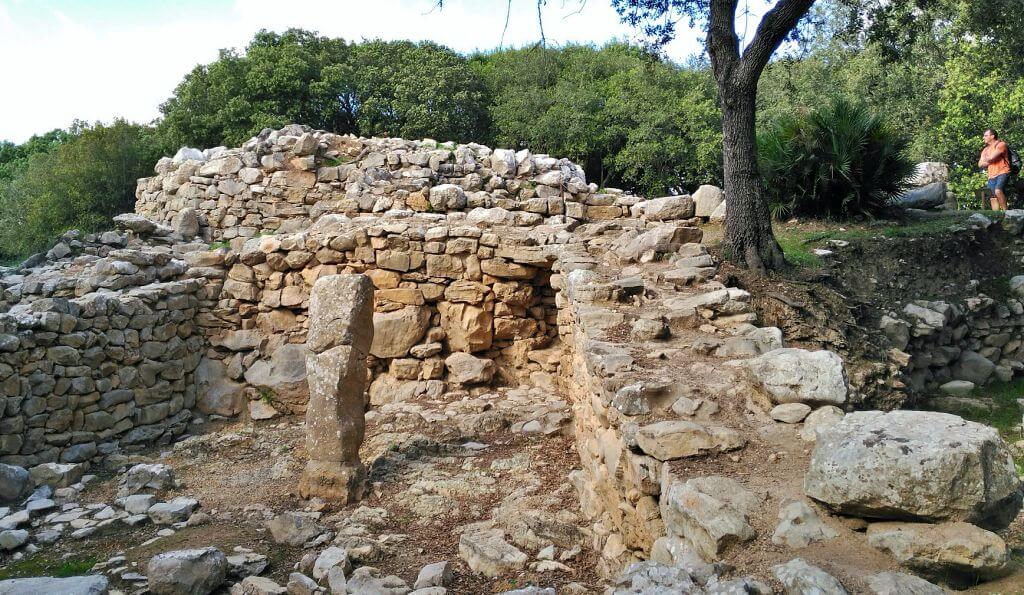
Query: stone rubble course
[{"x": 914, "y": 465}]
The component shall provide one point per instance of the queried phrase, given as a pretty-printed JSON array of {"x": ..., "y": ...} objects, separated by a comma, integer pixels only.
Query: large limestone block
[
  {"x": 341, "y": 313},
  {"x": 711, "y": 512},
  {"x": 187, "y": 572},
  {"x": 215, "y": 392},
  {"x": 914, "y": 465},
  {"x": 468, "y": 328},
  {"x": 283, "y": 375},
  {"x": 706, "y": 199},
  {"x": 73, "y": 585},
  {"x": 898, "y": 583},
  {"x": 674, "y": 439},
  {"x": 467, "y": 369},
  {"x": 395, "y": 332},
  {"x": 668, "y": 208},
  {"x": 487, "y": 552},
  {"x": 800, "y": 578},
  {"x": 792, "y": 375},
  {"x": 943, "y": 548}
]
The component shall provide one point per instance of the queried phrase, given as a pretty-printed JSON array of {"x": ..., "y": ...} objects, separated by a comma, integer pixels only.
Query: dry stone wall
[
  {"x": 284, "y": 180},
  {"x": 98, "y": 345}
]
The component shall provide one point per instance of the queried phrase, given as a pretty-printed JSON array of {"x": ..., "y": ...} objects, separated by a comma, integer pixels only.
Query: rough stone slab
[
  {"x": 914, "y": 465},
  {"x": 943, "y": 548},
  {"x": 791, "y": 375}
]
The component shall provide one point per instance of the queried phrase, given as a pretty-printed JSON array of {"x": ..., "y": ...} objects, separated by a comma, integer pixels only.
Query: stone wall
[
  {"x": 443, "y": 286},
  {"x": 284, "y": 180},
  {"x": 976, "y": 341},
  {"x": 85, "y": 375}
]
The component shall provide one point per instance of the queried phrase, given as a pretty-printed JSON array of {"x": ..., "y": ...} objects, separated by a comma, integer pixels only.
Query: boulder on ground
[
  {"x": 792, "y": 375},
  {"x": 487, "y": 552},
  {"x": 652, "y": 577},
  {"x": 898, "y": 583},
  {"x": 942, "y": 549},
  {"x": 914, "y": 465},
  {"x": 187, "y": 572},
  {"x": 367, "y": 579},
  {"x": 706, "y": 199},
  {"x": 15, "y": 484},
  {"x": 57, "y": 475},
  {"x": 800, "y": 526},
  {"x": 294, "y": 529},
  {"x": 146, "y": 477},
  {"x": 711, "y": 512},
  {"x": 819, "y": 419},
  {"x": 800, "y": 578},
  {"x": 929, "y": 196}
]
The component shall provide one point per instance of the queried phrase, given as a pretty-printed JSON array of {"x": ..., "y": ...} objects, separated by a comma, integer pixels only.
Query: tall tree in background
[{"x": 748, "y": 226}]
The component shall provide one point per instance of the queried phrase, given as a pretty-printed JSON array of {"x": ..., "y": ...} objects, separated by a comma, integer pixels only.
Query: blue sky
[{"x": 100, "y": 59}]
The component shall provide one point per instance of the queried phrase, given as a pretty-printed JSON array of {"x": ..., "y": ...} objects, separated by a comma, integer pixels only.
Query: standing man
[{"x": 995, "y": 157}]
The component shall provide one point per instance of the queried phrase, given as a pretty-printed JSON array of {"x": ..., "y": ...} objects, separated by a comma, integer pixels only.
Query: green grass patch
[
  {"x": 336, "y": 161},
  {"x": 39, "y": 564},
  {"x": 798, "y": 242},
  {"x": 1005, "y": 416}
]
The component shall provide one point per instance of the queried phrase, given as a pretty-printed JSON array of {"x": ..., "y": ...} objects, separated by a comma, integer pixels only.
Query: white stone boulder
[
  {"x": 898, "y": 583},
  {"x": 941, "y": 549},
  {"x": 487, "y": 552},
  {"x": 706, "y": 199},
  {"x": 468, "y": 369},
  {"x": 800, "y": 526},
  {"x": 914, "y": 465},
  {"x": 72, "y": 585},
  {"x": 146, "y": 476},
  {"x": 819, "y": 419},
  {"x": 792, "y": 375},
  {"x": 711, "y": 512},
  {"x": 800, "y": 578},
  {"x": 668, "y": 208}
]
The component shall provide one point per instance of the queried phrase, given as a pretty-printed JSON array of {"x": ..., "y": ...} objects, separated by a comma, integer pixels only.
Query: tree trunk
[{"x": 748, "y": 224}]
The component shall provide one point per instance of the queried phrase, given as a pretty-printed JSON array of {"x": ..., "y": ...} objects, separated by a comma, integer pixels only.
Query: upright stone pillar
[{"x": 340, "y": 333}]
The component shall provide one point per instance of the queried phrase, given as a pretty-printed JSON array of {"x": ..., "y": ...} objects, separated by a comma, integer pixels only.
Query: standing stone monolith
[{"x": 339, "y": 338}]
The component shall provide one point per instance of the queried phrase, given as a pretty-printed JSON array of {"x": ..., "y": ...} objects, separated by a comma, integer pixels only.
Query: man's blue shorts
[{"x": 998, "y": 182}]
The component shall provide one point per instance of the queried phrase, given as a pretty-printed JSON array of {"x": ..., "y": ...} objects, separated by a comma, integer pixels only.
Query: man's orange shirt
[{"x": 1001, "y": 164}]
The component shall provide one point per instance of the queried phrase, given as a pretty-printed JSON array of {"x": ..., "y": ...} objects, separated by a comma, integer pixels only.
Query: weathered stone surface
[
  {"x": 15, "y": 484},
  {"x": 820, "y": 419},
  {"x": 790, "y": 413},
  {"x": 13, "y": 539},
  {"x": 665, "y": 440},
  {"x": 711, "y": 512},
  {"x": 215, "y": 392},
  {"x": 487, "y": 552},
  {"x": 73, "y": 585},
  {"x": 57, "y": 475},
  {"x": 914, "y": 465},
  {"x": 943, "y": 548},
  {"x": 187, "y": 572},
  {"x": 668, "y": 208},
  {"x": 650, "y": 578},
  {"x": 294, "y": 529},
  {"x": 336, "y": 371},
  {"x": 791, "y": 375},
  {"x": 369, "y": 580},
  {"x": 468, "y": 369},
  {"x": 146, "y": 476},
  {"x": 468, "y": 328},
  {"x": 438, "y": 574},
  {"x": 283, "y": 376},
  {"x": 800, "y": 526},
  {"x": 394, "y": 333},
  {"x": 328, "y": 559},
  {"x": 706, "y": 199},
  {"x": 800, "y": 578},
  {"x": 972, "y": 367},
  {"x": 257, "y": 585},
  {"x": 898, "y": 583},
  {"x": 177, "y": 510}
]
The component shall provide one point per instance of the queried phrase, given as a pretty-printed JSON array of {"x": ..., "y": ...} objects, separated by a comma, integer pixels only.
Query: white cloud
[{"x": 58, "y": 69}]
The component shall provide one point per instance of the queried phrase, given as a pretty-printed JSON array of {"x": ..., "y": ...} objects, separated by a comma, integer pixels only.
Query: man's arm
[{"x": 982, "y": 162}]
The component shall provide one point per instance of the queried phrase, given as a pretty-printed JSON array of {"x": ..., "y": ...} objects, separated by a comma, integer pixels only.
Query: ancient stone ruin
[{"x": 511, "y": 381}]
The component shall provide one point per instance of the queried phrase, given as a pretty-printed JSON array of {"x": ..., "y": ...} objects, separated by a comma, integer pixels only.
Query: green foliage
[
  {"x": 630, "y": 119},
  {"x": 79, "y": 184},
  {"x": 295, "y": 76},
  {"x": 13, "y": 158},
  {"x": 838, "y": 161},
  {"x": 373, "y": 88},
  {"x": 984, "y": 89},
  {"x": 416, "y": 90}
]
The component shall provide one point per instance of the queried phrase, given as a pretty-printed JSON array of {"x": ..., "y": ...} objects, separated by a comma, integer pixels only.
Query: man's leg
[{"x": 999, "y": 201}]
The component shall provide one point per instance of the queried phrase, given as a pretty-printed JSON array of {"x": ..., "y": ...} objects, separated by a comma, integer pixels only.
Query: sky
[{"x": 100, "y": 59}]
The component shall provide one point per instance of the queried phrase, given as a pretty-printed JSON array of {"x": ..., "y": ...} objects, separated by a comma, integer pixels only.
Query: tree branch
[
  {"x": 775, "y": 25},
  {"x": 722, "y": 43}
]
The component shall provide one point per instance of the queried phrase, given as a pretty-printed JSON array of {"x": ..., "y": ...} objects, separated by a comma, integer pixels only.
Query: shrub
[{"x": 839, "y": 161}]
